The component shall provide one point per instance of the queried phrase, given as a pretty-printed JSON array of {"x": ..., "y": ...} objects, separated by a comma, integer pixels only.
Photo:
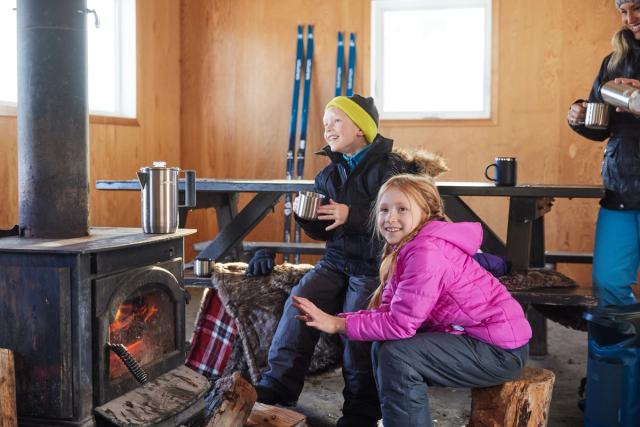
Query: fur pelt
[
  {"x": 256, "y": 304},
  {"x": 536, "y": 279}
]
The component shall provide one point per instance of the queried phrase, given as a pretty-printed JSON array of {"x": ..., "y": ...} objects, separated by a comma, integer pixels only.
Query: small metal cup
[
  {"x": 597, "y": 116},
  {"x": 202, "y": 267},
  {"x": 308, "y": 203}
]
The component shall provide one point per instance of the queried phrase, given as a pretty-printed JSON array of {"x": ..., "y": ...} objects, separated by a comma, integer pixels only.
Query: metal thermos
[
  {"x": 621, "y": 95},
  {"x": 159, "y": 197}
]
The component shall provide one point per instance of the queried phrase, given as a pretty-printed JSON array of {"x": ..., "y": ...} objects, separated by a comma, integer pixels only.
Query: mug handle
[{"x": 486, "y": 172}]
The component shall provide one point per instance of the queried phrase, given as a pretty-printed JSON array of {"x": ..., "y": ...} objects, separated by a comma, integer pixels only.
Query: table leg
[
  {"x": 239, "y": 226},
  {"x": 538, "y": 343}
]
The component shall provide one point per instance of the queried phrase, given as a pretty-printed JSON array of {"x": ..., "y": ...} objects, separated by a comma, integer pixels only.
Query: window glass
[
  {"x": 432, "y": 58},
  {"x": 111, "y": 56}
]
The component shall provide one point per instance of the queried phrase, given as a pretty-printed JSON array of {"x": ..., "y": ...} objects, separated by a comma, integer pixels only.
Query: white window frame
[
  {"x": 125, "y": 103},
  {"x": 378, "y": 9}
]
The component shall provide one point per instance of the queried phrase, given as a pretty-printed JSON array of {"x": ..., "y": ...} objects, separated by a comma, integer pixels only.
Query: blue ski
[
  {"x": 292, "y": 134},
  {"x": 303, "y": 120},
  {"x": 352, "y": 64},
  {"x": 339, "y": 65}
]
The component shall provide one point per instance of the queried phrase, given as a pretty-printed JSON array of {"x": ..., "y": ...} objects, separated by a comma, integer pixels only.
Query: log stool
[{"x": 518, "y": 403}]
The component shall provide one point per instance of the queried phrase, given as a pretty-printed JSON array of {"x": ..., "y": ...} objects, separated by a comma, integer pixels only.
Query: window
[
  {"x": 431, "y": 59},
  {"x": 111, "y": 56}
]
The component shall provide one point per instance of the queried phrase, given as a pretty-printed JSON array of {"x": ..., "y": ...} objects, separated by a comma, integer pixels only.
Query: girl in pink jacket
[{"x": 438, "y": 318}]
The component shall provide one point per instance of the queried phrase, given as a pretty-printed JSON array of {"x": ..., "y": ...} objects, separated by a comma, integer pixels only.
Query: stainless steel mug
[
  {"x": 307, "y": 204},
  {"x": 621, "y": 95},
  {"x": 202, "y": 267},
  {"x": 597, "y": 115},
  {"x": 506, "y": 171},
  {"x": 159, "y": 197}
]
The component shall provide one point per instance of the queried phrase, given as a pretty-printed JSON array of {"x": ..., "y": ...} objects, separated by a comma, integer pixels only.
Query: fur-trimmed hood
[{"x": 422, "y": 161}]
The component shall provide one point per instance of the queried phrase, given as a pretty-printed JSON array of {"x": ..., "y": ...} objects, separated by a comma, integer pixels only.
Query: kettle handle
[
  {"x": 190, "y": 189},
  {"x": 143, "y": 178}
]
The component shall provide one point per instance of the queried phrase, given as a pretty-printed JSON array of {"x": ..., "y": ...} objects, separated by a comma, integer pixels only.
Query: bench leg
[{"x": 538, "y": 343}]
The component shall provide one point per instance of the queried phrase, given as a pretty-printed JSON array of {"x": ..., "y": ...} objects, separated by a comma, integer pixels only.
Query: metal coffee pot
[
  {"x": 621, "y": 95},
  {"x": 159, "y": 197}
]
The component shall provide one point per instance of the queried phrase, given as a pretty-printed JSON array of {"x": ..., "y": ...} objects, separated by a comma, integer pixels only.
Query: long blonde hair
[
  {"x": 621, "y": 49},
  {"x": 423, "y": 191}
]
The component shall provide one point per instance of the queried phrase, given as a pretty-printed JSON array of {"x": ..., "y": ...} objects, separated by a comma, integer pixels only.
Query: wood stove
[{"x": 62, "y": 301}]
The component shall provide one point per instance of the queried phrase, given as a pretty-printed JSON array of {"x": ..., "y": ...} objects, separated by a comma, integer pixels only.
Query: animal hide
[{"x": 256, "y": 304}]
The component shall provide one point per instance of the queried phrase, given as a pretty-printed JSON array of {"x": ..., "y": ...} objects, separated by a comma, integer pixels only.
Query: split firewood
[
  {"x": 273, "y": 416},
  {"x": 522, "y": 402},
  {"x": 234, "y": 398},
  {"x": 8, "y": 414}
]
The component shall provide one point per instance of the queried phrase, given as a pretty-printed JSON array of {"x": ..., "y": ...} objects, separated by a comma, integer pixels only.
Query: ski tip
[
  {"x": 352, "y": 37},
  {"x": 340, "y": 36}
]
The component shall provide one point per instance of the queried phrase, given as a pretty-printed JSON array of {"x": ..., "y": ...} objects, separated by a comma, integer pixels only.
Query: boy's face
[{"x": 342, "y": 135}]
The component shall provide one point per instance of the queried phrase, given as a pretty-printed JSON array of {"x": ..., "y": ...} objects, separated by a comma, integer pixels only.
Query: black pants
[
  {"x": 293, "y": 343},
  {"x": 405, "y": 368}
]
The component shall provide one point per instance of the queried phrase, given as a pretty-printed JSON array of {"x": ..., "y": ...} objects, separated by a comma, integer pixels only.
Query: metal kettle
[{"x": 159, "y": 197}]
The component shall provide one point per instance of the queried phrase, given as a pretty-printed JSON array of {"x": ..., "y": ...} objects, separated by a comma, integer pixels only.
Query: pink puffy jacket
[{"x": 438, "y": 286}]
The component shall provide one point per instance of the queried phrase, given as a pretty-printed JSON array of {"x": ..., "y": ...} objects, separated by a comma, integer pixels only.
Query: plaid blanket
[{"x": 213, "y": 337}]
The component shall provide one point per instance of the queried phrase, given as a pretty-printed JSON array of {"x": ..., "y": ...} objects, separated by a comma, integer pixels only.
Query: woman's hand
[
  {"x": 317, "y": 318},
  {"x": 337, "y": 212},
  {"x": 577, "y": 113}
]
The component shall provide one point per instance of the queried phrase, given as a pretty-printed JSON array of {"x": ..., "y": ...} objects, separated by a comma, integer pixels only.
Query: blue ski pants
[{"x": 616, "y": 256}]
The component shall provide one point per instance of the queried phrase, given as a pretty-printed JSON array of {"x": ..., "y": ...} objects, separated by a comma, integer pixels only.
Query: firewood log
[
  {"x": 273, "y": 416},
  {"x": 8, "y": 414},
  {"x": 521, "y": 402},
  {"x": 234, "y": 398}
]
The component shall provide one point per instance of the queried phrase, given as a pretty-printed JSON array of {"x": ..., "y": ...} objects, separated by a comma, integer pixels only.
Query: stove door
[{"x": 143, "y": 310}]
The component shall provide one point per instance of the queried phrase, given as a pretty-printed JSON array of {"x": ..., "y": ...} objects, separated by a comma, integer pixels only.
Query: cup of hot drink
[
  {"x": 505, "y": 171},
  {"x": 597, "y": 115},
  {"x": 307, "y": 203}
]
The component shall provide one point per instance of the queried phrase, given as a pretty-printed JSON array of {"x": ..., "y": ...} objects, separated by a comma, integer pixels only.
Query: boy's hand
[
  {"x": 337, "y": 212},
  {"x": 316, "y": 318}
]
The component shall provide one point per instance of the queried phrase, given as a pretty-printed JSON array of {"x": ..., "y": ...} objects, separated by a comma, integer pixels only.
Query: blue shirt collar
[{"x": 352, "y": 161}]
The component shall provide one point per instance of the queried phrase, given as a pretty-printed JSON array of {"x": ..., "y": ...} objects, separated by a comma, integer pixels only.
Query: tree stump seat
[{"x": 522, "y": 402}]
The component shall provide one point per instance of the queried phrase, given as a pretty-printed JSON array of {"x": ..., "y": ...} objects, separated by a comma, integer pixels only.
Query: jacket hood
[
  {"x": 465, "y": 235},
  {"x": 422, "y": 161}
]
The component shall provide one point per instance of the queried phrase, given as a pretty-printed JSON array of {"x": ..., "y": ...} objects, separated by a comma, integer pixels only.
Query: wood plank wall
[
  {"x": 237, "y": 60},
  {"x": 117, "y": 151},
  {"x": 215, "y": 91}
]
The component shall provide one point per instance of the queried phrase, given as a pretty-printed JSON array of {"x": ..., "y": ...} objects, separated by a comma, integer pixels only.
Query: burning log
[
  {"x": 8, "y": 415},
  {"x": 521, "y": 402},
  {"x": 233, "y": 399}
]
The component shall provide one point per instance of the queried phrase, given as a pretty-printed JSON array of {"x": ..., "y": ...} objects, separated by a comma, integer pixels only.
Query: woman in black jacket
[{"x": 616, "y": 255}]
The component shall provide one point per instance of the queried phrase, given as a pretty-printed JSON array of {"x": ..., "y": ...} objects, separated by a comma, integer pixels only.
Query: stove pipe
[{"x": 52, "y": 119}]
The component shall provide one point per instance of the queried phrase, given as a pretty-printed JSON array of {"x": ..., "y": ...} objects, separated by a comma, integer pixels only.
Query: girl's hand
[
  {"x": 577, "y": 113},
  {"x": 337, "y": 212},
  {"x": 317, "y": 318}
]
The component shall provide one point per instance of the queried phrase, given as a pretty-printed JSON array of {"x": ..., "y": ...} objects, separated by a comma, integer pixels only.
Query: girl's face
[
  {"x": 342, "y": 135},
  {"x": 630, "y": 14},
  {"x": 398, "y": 215}
]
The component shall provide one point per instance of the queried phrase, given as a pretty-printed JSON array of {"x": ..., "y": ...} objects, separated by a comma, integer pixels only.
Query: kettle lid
[{"x": 159, "y": 164}]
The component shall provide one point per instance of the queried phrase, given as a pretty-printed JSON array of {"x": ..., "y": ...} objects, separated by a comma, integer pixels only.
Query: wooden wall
[
  {"x": 215, "y": 82},
  {"x": 117, "y": 151},
  {"x": 237, "y": 60}
]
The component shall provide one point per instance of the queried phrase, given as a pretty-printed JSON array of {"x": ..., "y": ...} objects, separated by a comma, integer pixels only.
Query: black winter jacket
[
  {"x": 352, "y": 245},
  {"x": 621, "y": 163}
]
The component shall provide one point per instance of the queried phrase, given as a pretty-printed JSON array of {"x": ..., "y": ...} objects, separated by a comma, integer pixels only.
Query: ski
[
  {"x": 292, "y": 134},
  {"x": 303, "y": 121},
  {"x": 339, "y": 64},
  {"x": 352, "y": 64}
]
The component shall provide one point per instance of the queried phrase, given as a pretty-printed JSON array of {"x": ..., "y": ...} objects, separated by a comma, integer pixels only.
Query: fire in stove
[{"x": 144, "y": 324}]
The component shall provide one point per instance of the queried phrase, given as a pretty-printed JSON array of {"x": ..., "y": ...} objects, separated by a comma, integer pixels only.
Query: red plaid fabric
[{"x": 213, "y": 337}]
